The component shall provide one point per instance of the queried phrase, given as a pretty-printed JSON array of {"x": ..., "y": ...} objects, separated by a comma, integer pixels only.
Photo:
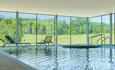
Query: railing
[
  {"x": 98, "y": 35},
  {"x": 105, "y": 39},
  {"x": 100, "y": 39}
]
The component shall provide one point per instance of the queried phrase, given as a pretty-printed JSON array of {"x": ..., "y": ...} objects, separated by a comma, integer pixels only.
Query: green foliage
[
  {"x": 78, "y": 26},
  {"x": 29, "y": 26},
  {"x": 95, "y": 28},
  {"x": 7, "y": 27}
]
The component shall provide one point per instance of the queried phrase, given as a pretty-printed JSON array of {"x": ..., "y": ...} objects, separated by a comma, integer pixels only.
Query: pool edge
[{"x": 26, "y": 66}]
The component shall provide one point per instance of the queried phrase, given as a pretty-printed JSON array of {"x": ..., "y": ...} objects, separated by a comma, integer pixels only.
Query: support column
[
  {"x": 114, "y": 28},
  {"x": 102, "y": 29},
  {"x": 87, "y": 31},
  {"x": 36, "y": 30},
  {"x": 17, "y": 34},
  {"x": 55, "y": 30},
  {"x": 110, "y": 29},
  {"x": 70, "y": 29}
]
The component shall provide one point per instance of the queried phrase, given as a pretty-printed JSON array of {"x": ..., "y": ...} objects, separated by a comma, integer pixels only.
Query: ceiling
[{"x": 81, "y": 8}]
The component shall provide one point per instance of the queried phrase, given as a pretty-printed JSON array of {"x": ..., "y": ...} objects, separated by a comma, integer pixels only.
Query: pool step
[{"x": 81, "y": 46}]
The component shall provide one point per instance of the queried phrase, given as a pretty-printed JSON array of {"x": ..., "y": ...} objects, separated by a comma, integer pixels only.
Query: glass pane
[
  {"x": 95, "y": 30},
  {"x": 63, "y": 30},
  {"x": 106, "y": 28},
  {"x": 78, "y": 30},
  {"x": 7, "y": 25},
  {"x": 27, "y": 28},
  {"x": 45, "y": 26}
]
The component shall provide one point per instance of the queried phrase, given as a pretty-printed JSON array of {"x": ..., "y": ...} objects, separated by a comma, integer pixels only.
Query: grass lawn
[{"x": 62, "y": 39}]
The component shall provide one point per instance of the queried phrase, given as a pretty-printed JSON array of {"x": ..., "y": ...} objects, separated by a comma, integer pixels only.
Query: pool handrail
[
  {"x": 102, "y": 37},
  {"x": 97, "y": 35},
  {"x": 105, "y": 39}
]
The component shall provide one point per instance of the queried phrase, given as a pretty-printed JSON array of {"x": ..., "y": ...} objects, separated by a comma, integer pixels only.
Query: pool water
[{"x": 65, "y": 58}]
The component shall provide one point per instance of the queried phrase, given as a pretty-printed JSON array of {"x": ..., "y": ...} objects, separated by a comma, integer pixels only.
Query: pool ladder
[{"x": 102, "y": 38}]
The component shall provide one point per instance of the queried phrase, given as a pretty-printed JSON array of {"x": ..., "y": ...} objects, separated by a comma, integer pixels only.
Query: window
[
  {"x": 78, "y": 30},
  {"x": 63, "y": 30},
  {"x": 27, "y": 28},
  {"x": 7, "y": 25}
]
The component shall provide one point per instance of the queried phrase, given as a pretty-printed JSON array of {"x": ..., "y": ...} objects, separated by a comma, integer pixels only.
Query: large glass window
[
  {"x": 27, "y": 28},
  {"x": 33, "y": 28},
  {"x": 106, "y": 28},
  {"x": 95, "y": 30},
  {"x": 63, "y": 30},
  {"x": 78, "y": 30},
  {"x": 7, "y": 25},
  {"x": 45, "y": 26}
]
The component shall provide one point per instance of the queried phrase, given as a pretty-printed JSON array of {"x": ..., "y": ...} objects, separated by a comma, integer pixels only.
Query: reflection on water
[{"x": 66, "y": 58}]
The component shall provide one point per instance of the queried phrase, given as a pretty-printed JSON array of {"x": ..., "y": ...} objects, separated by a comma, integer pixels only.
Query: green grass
[{"x": 62, "y": 39}]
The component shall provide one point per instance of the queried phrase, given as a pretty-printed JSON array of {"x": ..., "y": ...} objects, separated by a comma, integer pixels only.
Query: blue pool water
[{"x": 65, "y": 58}]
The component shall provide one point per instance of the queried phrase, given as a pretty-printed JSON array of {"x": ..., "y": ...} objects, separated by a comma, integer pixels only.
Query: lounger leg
[
  {"x": 16, "y": 45},
  {"x": 39, "y": 45},
  {"x": 4, "y": 45},
  {"x": 45, "y": 44},
  {"x": 48, "y": 44}
]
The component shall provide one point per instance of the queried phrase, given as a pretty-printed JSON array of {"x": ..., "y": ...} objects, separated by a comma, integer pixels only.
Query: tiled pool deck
[{"x": 7, "y": 64}]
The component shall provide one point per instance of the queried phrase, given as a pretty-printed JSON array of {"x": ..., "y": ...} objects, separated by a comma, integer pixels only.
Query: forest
[{"x": 77, "y": 26}]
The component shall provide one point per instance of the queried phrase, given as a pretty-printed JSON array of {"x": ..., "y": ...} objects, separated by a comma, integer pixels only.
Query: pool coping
[{"x": 26, "y": 66}]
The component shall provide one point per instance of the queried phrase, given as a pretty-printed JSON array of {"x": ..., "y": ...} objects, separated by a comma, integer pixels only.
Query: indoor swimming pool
[{"x": 65, "y": 58}]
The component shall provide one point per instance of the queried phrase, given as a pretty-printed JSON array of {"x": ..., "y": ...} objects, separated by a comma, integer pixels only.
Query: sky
[{"x": 105, "y": 19}]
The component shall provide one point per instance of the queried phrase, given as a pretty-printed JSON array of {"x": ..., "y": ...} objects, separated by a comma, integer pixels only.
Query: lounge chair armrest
[
  {"x": 42, "y": 41},
  {"x": 2, "y": 40}
]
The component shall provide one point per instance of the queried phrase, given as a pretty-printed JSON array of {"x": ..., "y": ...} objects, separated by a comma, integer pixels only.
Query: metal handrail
[
  {"x": 96, "y": 35},
  {"x": 105, "y": 39},
  {"x": 100, "y": 39},
  {"x": 102, "y": 35}
]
